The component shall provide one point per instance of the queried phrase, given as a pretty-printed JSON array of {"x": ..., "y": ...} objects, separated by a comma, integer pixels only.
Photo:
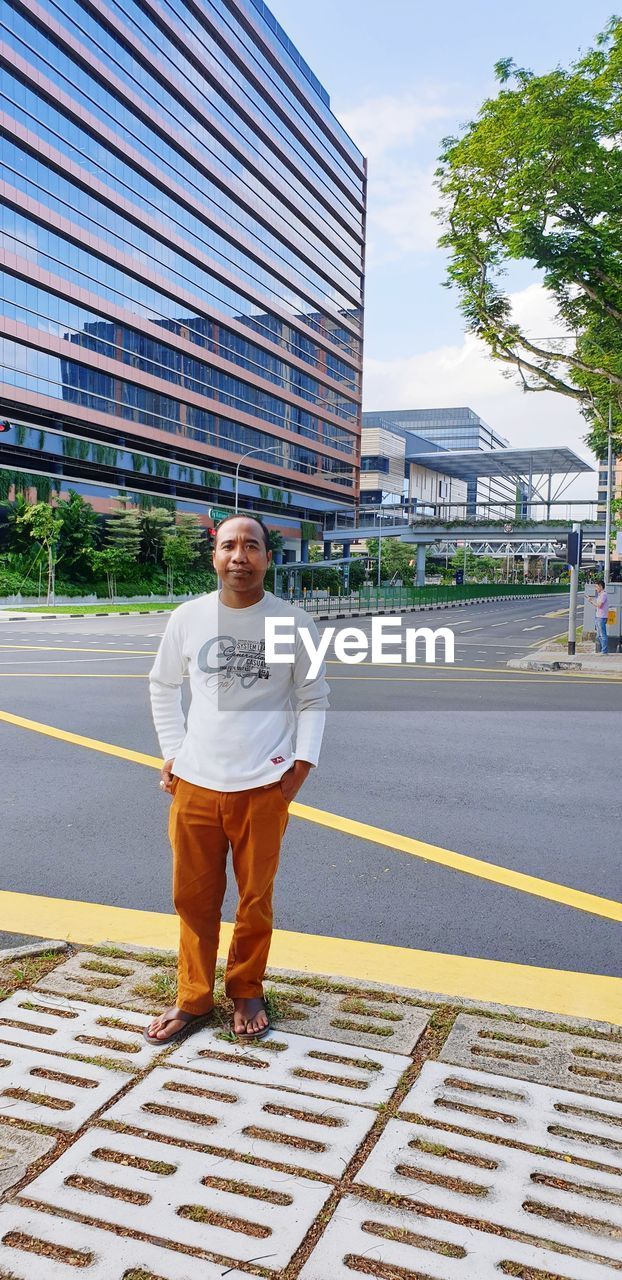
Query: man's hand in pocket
[
  {"x": 292, "y": 781},
  {"x": 166, "y": 777}
]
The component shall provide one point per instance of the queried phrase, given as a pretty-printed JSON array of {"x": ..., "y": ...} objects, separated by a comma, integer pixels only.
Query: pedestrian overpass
[{"x": 537, "y": 538}]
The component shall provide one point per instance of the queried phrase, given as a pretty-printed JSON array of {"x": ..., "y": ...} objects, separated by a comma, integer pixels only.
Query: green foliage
[
  {"x": 275, "y": 538},
  {"x": 44, "y": 526},
  {"x": 123, "y": 532},
  {"x": 78, "y": 534},
  {"x": 308, "y": 530},
  {"x": 155, "y": 524},
  {"x": 398, "y": 559},
  {"x": 356, "y": 573},
  {"x": 113, "y": 561},
  {"x": 18, "y": 534},
  {"x": 537, "y": 178}
]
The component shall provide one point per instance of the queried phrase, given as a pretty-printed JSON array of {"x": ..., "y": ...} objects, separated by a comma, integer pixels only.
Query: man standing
[
  {"x": 253, "y": 733},
  {"x": 601, "y": 602}
]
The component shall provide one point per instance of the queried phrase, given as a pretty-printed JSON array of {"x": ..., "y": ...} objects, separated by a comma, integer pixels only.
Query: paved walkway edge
[
  {"x": 589, "y": 664},
  {"x": 357, "y": 613},
  {"x": 32, "y": 949}
]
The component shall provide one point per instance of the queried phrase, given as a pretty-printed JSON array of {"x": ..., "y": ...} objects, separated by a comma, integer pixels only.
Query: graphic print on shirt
[{"x": 225, "y": 659}]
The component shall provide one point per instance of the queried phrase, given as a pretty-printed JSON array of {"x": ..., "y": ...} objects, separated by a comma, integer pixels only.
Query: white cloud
[
  {"x": 401, "y": 195},
  {"x": 400, "y": 212},
  {"x": 465, "y": 374},
  {"x": 385, "y": 124}
]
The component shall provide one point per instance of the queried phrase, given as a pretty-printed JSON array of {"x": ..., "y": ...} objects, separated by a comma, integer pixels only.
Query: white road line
[{"x": 538, "y": 627}]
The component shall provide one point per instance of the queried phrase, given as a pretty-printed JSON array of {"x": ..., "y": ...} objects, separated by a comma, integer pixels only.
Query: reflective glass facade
[
  {"x": 459, "y": 428},
  {"x": 182, "y": 250}
]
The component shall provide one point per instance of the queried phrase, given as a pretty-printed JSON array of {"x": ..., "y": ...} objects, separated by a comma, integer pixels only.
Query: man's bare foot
[
  {"x": 249, "y": 1016},
  {"x": 166, "y": 1027}
]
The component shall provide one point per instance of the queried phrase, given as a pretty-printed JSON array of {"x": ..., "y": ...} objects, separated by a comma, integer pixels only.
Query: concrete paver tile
[
  {"x": 68, "y": 1026},
  {"x": 259, "y": 1214},
  {"x": 100, "y": 978},
  {"x": 439, "y": 1250},
  {"x": 366, "y": 1078},
  {"x": 536, "y": 1115},
  {"x": 535, "y": 1195},
  {"x": 354, "y": 1019},
  {"x": 19, "y": 1148},
  {"x": 102, "y": 1254},
  {"x": 293, "y": 1129},
  {"x": 582, "y": 1063},
  {"x": 75, "y": 1091}
]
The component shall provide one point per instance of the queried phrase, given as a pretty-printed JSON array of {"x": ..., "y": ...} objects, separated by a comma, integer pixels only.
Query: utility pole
[
  {"x": 607, "y": 567},
  {"x": 379, "y": 541},
  {"x": 574, "y": 591}
]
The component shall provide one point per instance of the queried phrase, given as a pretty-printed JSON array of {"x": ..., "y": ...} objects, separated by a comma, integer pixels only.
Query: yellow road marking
[
  {"x": 556, "y": 991},
  {"x": 555, "y": 613},
  {"x": 78, "y": 740},
  {"x": 606, "y": 908}
]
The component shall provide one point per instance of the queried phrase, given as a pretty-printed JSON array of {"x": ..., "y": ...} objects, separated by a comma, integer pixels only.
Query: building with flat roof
[
  {"x": 182, "y": 277},
  {"x": 446, "y": 429}
]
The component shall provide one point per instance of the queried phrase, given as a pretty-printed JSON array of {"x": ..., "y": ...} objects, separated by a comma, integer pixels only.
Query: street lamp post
[
  {"x": 257, "y": 449},
  {"x": 379, "y": 544},
  {"x": 607, "y": 566}
]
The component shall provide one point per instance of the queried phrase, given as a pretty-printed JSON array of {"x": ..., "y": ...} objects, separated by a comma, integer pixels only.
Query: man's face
[{"x": 240, "y": 557}]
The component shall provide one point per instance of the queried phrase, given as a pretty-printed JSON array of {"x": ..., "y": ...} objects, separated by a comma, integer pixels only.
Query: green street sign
[{"x": 217, "y": 513}]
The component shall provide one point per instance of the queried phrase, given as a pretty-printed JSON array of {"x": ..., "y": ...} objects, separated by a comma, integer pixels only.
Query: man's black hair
[
  {"x": 600, "y": 582},
  {"x": 246, "y": 515}
]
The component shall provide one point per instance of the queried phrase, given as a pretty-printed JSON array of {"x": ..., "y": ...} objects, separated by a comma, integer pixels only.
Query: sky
[{"x": 403, "y": 74}]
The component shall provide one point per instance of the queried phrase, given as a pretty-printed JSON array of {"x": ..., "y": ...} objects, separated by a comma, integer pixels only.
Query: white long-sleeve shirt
[{"x": 248, "y": 721}]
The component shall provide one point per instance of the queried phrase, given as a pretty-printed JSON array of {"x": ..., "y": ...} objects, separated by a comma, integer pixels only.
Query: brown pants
[{"x": 202, "y": 825}]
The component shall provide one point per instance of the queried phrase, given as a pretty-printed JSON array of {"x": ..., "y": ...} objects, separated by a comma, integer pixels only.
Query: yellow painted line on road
[
  {"x": 555, "y": 613},
  {"x": 78, "y": 740},
  {"x": 554, "y": 991},
  {"x": 564, "y": 895}
]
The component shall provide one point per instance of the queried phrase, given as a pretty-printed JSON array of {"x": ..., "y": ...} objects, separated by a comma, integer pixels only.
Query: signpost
[{"x": 574, "y": 560}]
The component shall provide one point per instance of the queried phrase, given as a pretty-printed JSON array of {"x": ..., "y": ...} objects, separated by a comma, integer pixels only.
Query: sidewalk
[
  {"x": 557, "y": 659},
  {"x": 376, "y": 1132}
]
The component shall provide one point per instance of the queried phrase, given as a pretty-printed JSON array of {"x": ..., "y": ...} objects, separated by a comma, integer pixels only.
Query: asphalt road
[{"x": 518, "y": 769}]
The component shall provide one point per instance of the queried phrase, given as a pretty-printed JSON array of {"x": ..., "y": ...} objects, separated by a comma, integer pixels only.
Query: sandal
[
  {"x": 245, "y": 1036},
  {"x": 192, "y": 1022}
]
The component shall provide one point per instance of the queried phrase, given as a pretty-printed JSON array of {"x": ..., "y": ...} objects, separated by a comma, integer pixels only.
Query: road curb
[
  {"x": 561, "y": 664},
  {"x": 359, "y": 613},
  {"x": 32, "y": 949}
]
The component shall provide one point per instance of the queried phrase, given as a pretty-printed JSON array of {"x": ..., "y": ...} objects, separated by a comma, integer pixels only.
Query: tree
[
  {"x": 178, "y": 555},
  {"x": 123, "y": 533},
  {"x": 113, "y": 562},
  {"x": 19, "y": 541},
  {"x": 78, "y": 534},
  {"x": 396, "y": 558},
  {"x": 44, "y": 525},
  {"x": 275, "y": 538},
  {"x": 155, "y": 524},
  {"x": 189, "y": 527},
  {"x": 537, "y": 178}
]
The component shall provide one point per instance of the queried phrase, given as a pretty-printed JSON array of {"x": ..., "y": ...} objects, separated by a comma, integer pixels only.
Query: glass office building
[
  {"x": 182, "y": 258},
  {"x": 459, "y": 428}
]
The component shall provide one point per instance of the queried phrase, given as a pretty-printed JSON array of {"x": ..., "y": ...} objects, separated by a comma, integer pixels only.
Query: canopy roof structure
[{"x": 515, "y": 464}]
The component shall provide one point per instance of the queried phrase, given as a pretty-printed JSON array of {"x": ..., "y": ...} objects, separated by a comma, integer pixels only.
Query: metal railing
[{"x": 374, "y": 600}]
